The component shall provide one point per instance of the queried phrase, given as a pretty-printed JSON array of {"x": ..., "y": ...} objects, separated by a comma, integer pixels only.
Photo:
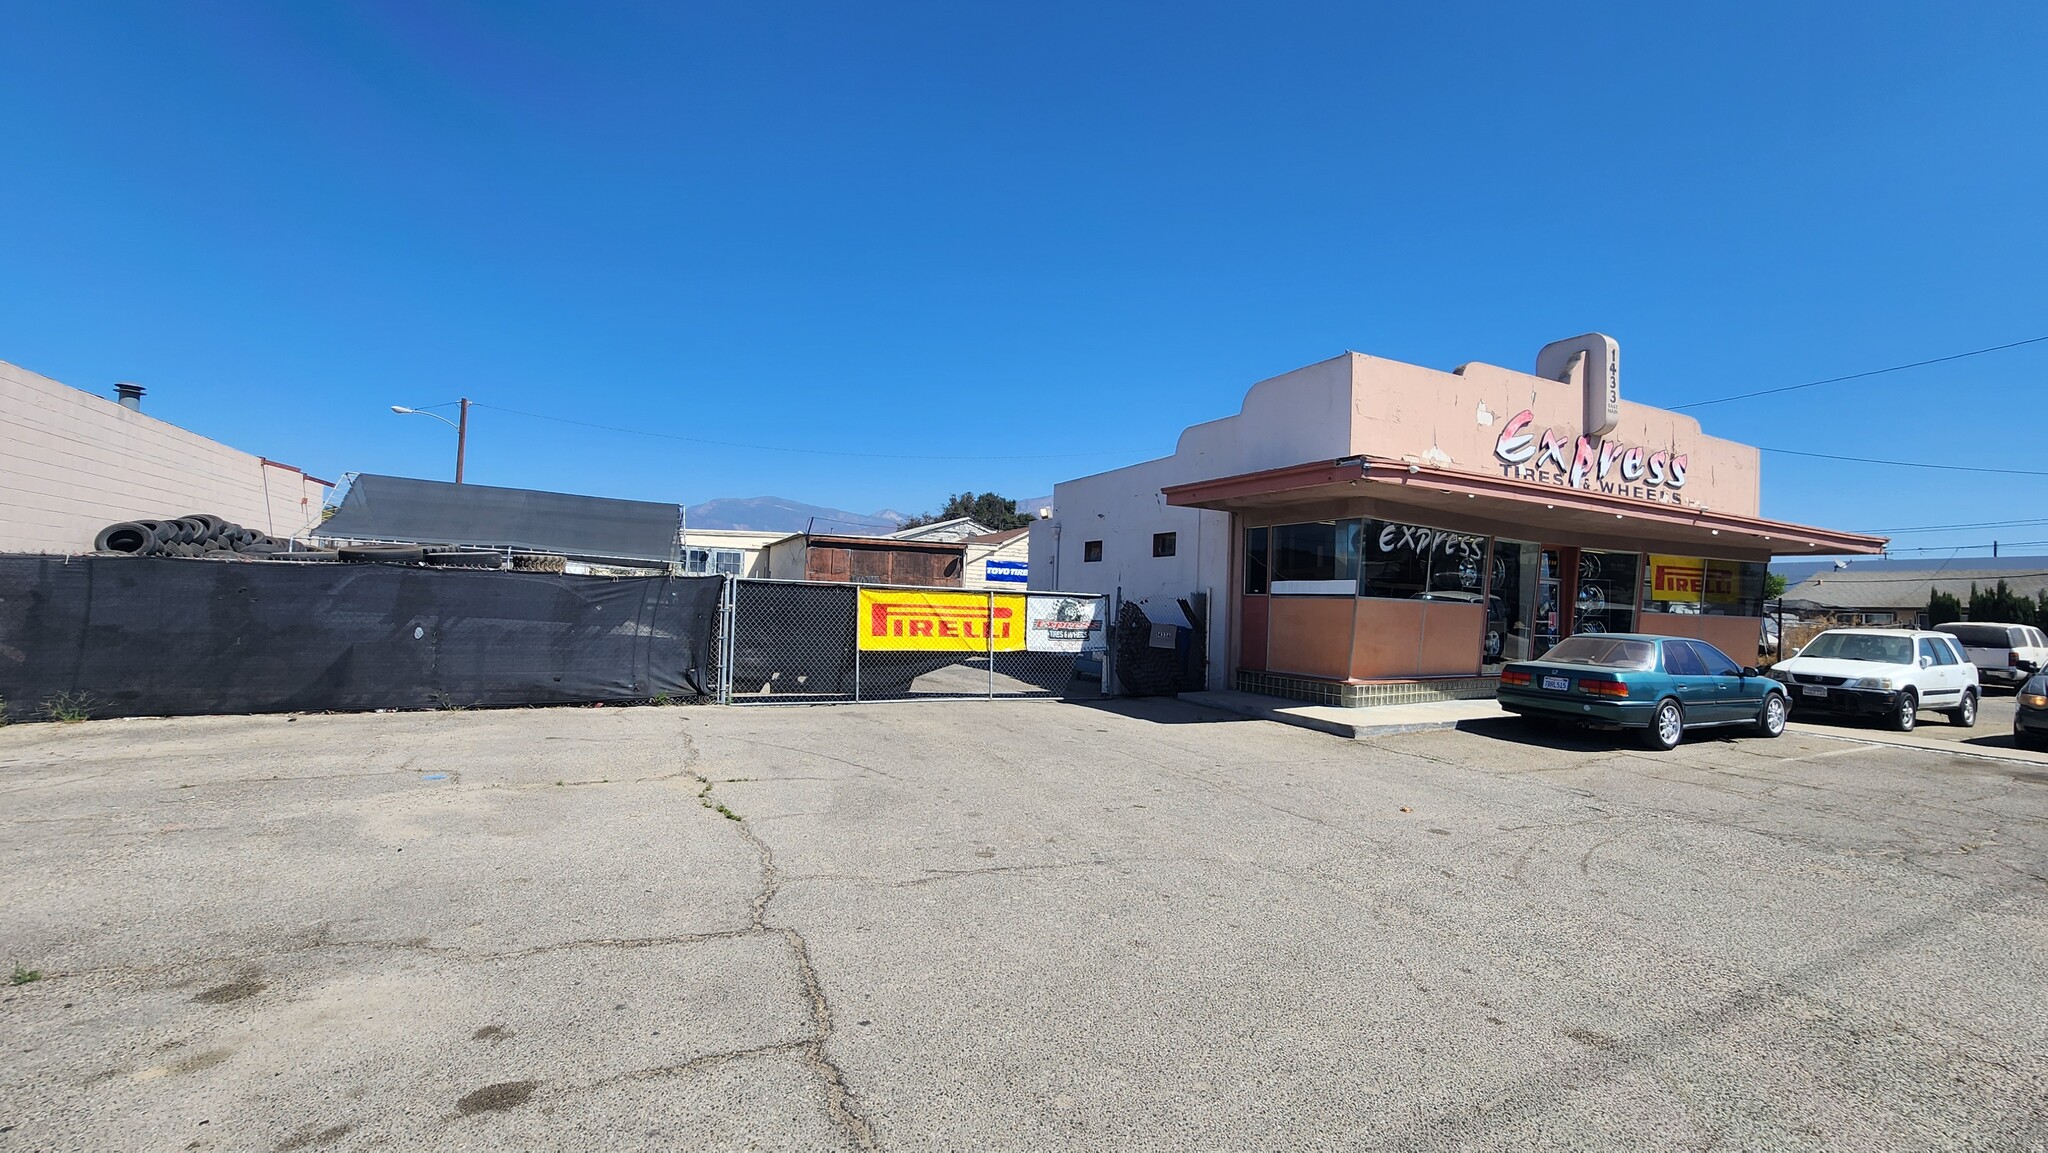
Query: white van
[{"x": 2004, "y": 654}]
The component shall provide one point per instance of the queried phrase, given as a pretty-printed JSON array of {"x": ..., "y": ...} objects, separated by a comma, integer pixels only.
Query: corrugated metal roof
[
  {"x": 1849, "y": 589},
  {"x": 434, "y": 512}
]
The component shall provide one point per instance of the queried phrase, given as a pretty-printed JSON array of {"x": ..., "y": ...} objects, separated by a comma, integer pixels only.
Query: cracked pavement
[{"x": 1014, "y": 925}]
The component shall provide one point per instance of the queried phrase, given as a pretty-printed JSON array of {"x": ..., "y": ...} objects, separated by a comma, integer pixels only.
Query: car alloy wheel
[
  {"x": 1667, "y": 726},
  {"x": 1907, "y": 713},
  {"x": 1966, "y": 713},
  {"x": 1774, "y": 714}
]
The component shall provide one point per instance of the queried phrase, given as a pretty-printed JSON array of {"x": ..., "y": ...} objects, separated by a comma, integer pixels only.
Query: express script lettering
[
  {"x": 1398, "y": 538},
  {"x": 1555, "y": 457}
]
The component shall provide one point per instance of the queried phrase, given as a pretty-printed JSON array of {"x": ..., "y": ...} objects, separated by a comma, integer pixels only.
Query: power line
[
  {"x": 798, "y": 451},
  {"x": 1859, "y": 375},
  {"x": 1925, "y": 577},
  {"x": 1909, "y": 463},
  {"x": 1952, "y": 527}
]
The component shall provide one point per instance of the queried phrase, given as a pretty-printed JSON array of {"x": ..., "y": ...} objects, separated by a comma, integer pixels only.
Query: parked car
[
  {"x": 1661, "y": 686},
  {"x": 2030, "y": 717},
  {"x": 1887, "y": 673},
  {"x": 2008, "y": 654}
]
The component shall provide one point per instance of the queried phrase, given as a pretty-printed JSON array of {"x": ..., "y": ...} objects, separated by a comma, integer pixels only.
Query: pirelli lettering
[
  {"x": 897, "y": 621},
  {"x": 1691, "y": 579}
]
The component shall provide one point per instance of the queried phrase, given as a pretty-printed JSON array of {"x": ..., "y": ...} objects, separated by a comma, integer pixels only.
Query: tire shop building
[{"x": 1364, "y": 531}]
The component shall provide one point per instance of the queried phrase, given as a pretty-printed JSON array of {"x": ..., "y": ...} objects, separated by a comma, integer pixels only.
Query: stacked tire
[
  {"x": 194, "y": 535},
  {"x": 206, "y": 535}
]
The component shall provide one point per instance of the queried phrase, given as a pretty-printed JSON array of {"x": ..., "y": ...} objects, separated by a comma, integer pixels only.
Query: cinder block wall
[{"x": 72, "y": 463}]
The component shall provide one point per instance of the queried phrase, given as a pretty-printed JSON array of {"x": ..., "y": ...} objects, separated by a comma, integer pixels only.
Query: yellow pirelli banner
[
  {"x": 896, "y": 620},
  {"x": 1691, "y": 579}
]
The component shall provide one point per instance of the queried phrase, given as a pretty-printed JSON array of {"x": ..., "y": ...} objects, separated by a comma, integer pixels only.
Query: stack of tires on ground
[{"x": 206, "y": 535}]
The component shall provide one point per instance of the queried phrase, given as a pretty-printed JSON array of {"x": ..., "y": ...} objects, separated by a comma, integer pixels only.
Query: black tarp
[
  {"x": 397, "y": 508},
  {"x": 141, "y": 636}
]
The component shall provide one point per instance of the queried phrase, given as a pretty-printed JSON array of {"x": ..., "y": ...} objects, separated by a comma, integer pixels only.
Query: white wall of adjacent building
[
  {"x": 1124, "y": 510},
  {"x": 72, "y": 463}
]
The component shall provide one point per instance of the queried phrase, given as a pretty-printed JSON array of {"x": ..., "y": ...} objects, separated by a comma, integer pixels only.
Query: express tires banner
[{"x": 1057, "y": 624}]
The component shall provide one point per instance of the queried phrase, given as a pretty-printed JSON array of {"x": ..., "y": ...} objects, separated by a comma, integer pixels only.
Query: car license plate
[
  {"x": 1813, "y": 690},
  {"x": 1558, "y": 683}
]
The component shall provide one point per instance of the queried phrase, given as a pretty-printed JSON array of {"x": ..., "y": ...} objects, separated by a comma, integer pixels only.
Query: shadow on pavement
[
  {"x": 1158, "y": 710},
  {"x": 1573, "y": 738}
]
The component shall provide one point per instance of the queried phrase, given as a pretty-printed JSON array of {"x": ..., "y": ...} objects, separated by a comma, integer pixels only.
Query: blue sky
[{"x": 918, "y": 230}]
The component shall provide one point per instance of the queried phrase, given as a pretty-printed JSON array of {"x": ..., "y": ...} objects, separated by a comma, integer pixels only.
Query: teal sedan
[{"x": 1660, "y": 686}]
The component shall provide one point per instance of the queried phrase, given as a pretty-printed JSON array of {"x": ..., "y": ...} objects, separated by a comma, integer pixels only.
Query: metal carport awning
[
  {"x": 1523, "y": 509},
  {"x": 432, "y": 512}
]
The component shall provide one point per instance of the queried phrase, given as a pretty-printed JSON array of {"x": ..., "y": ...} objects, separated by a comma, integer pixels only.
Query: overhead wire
[
  {"x": 1859, "y": 375},
  {"x": 1907, "y": 463},
  {"x": 1954, "y": 527}
]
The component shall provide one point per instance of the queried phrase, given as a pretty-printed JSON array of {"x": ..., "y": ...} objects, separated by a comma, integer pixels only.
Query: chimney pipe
[{"x": 129, "y": 396}]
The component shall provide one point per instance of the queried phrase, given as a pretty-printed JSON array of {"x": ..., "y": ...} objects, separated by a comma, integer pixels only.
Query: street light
[{"x": 461, "y": 430}]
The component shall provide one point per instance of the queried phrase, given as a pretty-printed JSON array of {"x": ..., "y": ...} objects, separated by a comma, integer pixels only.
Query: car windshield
[
  {"x": 1607, "y": 652},
  {"x": 1862, "y": 647}
]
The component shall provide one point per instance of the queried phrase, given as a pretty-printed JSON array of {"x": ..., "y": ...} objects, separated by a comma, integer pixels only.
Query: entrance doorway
[{"x": 1522, "y": 602}]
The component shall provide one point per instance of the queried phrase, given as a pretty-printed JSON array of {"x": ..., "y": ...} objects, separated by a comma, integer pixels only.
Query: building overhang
[{"x": 1537, "y": 508}]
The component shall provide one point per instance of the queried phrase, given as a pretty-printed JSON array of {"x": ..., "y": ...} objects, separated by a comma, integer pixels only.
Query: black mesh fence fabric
[
  {"x": 134, "y": 636},
  {"x": 397, "y": 508}
]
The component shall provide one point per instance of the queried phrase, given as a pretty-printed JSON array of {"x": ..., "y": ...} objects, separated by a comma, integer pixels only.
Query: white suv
[
  {"x": 1889, "y": 673},
  {"x": 2008, "y": 654}
]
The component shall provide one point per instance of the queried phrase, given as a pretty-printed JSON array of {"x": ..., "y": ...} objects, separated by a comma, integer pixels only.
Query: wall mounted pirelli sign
[
  {"x": 892, "y": 620},
  {"x": 1689, "y": 578}
]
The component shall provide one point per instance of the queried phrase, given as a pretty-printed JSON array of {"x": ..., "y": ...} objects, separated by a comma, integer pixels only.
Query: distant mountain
[{"x": 780, "y": 514}]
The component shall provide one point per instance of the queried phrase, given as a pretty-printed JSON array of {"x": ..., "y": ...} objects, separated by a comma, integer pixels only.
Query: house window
[
  {"x": 1163, "y": 543},
  {"x": 719, "y": 561},
  {"x": 1091, "y": 551}
]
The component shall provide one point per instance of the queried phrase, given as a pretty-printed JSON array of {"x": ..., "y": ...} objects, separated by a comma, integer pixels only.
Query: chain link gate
[{"x": 805, "y": 642}]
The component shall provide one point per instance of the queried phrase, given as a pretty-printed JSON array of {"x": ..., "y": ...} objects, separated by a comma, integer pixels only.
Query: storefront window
[
  {"x": 1607, "y": 592},
  {"x": 1255, "y": 561},
  {"x": 1698, "y": 586},
  {"x": 1408, "y": 560},
  {"x": 1314, "y": 557}
]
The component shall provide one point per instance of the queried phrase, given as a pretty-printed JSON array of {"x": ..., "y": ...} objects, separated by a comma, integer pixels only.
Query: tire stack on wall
[
  {"x": 197, "y": 534},
  {"x": 206, "y": 535}
]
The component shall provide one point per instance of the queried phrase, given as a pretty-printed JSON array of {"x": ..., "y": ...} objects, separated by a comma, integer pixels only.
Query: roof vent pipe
[{"x": 129, "y": 396}]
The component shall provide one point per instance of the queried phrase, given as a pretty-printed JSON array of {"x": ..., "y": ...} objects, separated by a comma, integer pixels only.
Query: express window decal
[{"x": 1409, "y": 560}]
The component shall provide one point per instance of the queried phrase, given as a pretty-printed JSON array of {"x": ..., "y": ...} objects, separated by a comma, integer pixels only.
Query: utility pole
[{"x": 461, "y": 439}]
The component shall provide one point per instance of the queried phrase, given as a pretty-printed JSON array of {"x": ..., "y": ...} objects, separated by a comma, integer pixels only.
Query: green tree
[
  {"x": 2001, "y": 605},
  {"x": 997, "y": 512},
  {"x": 1774, "y": 586},
  {"x": 1942, "y": 608}
]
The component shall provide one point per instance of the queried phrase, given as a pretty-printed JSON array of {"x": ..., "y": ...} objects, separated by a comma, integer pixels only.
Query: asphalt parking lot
[
  {"x": 1991, "y": 735},
  {"x": 1021, "y": 925}
]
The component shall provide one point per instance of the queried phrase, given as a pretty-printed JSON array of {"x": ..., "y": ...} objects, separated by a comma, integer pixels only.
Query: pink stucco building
[{"x": 1367, "y": 530}]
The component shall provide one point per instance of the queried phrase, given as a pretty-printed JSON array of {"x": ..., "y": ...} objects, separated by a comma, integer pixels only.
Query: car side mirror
[
  {"x": 1752, "y": 671},
  {"x": 1926, "y": 662}
]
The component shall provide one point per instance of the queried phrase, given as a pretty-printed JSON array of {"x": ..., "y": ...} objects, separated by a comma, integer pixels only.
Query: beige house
[
  {"x": 727, "y": 551},
  {"x": 1362, "y": 524},
  {"x": 1008, "y": 551},
  {"x": 72, "y": 463}
]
